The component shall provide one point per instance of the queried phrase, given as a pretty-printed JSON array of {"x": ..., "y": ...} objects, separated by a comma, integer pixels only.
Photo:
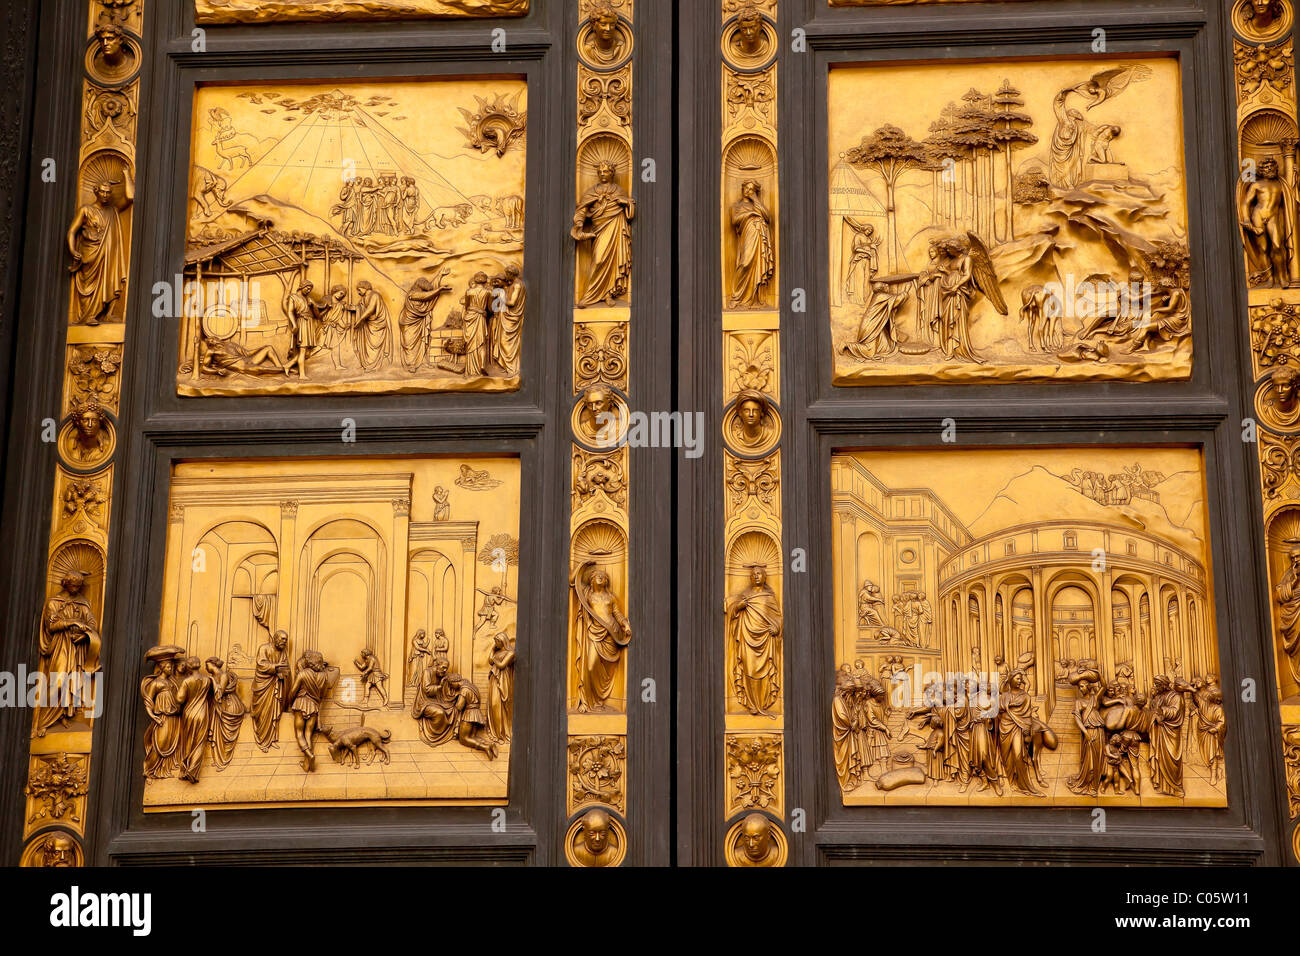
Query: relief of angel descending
[{"x": 940, "y": 220}]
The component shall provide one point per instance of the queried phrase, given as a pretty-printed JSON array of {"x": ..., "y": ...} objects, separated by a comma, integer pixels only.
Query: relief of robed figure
[
  {"x": 602, "y": 634},
  {"x": 603, "y": 219},
  {"x": 754, "y": 634}
]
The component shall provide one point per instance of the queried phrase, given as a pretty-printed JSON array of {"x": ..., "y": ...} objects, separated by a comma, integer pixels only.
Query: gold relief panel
[
  {"x": 346, "y": 629},
  {"x": 991, "y": 658},
  {"x": 597, "y": 772},
  {"x": 599, "y": 485},
  {"x": 93, "y": 374},
  {"x": 1283, "y": 539},
  {"x": 753, "y": 490},
  {"x": 600, "y": 354},
  {"x": 56, "y": 791},
  {"x": 755, "y": 771},
  {"x": 1014, "y": 221},
  {"x": 82, "y": 506},
  {"x": 356, "y": 237},
  {"x": 752, "y": 364},
  {"x": 262, "y": 11}
]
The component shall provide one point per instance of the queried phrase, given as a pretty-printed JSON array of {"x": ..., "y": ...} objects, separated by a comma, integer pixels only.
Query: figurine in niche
[
  {"x": 99, "y": 254},
  {"x": 755, "y": 253},
  {"x": 755, "y": 845},
  {"x": 752, "y": 428},
  {"x": 372, "y": 676},
  {"x": 596, "y": 842},
  {"x": 69, "y": 653},
  {"x": 270, "y": 679},
  {"x": 441, "y": 504},
  {"x": 754, "y": 633},
  {"x": 1267, "y": 214},
  {"x": 194, "y": 693},
  {"x": 509, "y": 296},
  {"x": 159, "y": 690},
  {"x": 603, "y": 218},
  {"x": 602, "y": 634},
  {"x": 447, "y": 707},
  {"x": 313, "y": 681},
  {"x": 604, "y": 44},
  {"x": 228, "y": 711},
  {"x": 90, "y": 437},
  {"x": 501, "y": 687},
  {"x": 1287, "y": 595},
  {"x": 415, "y": 324}
]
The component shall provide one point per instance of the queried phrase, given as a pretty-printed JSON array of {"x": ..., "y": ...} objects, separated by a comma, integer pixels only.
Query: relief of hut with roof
[{"x": 358, "y": 237}]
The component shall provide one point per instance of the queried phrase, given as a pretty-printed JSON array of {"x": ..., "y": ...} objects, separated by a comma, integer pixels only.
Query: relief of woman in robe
[
  {"x": 163, "y": 734},
  {"x": 1168, "y": 709},
  {"x": 227, "y": 711},
  {"x": 602, "y": 634},
  {"x": 754, "y": 635},
  {"x": 603, "y": 218},
  {"x": 755, "y": 254}
]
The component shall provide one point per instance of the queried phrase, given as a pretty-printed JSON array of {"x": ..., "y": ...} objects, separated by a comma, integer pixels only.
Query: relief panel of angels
[{"x": 1014, "y": 221}]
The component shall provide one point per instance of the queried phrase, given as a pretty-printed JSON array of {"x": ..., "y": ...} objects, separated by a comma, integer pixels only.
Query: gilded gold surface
[
  {"x": 402, "y": 574},
  {"x": 1009, "y": 221},
  {"x": 1025, "y": 627},
  {"x": 600, "y": 634},
  {"x": 356, "y": 237},
  {"x": 264, "y": 11}
]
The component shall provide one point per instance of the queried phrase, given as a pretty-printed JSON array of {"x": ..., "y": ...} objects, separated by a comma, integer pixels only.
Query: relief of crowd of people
[
  {"x": 196, "y": 711},
  {"x": 992, "y": 731},
  {"x": 484, "y": 338}
]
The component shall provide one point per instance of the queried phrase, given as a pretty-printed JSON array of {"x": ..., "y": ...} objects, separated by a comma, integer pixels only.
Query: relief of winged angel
[
  {"x": 966, "y": 273},
  {"x": 1076, "y": 141}
]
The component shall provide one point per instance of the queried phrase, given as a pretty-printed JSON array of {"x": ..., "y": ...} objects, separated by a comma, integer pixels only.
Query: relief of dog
[{"x": 345, "y": 745}]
